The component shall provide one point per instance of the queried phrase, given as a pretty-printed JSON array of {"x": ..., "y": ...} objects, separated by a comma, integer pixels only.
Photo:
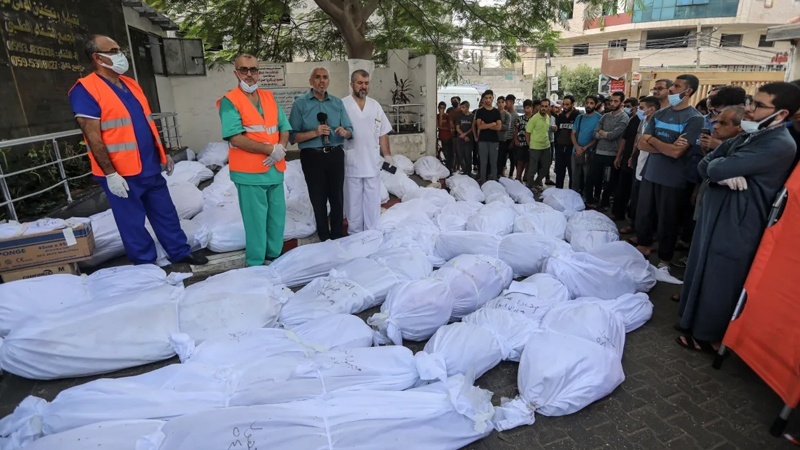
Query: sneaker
[
  {"x": 681, "y": 262},
  {"x": 550, "y": 183},
  {"x": 663, "y": 265}
]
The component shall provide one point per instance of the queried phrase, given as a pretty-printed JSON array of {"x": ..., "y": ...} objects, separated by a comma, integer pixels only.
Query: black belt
[{"x": 323, "y": 149}]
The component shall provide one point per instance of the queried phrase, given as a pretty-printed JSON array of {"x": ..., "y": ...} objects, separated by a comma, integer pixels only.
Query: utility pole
[
  {"x": 547, "y": 73},
  {"x": 697, "y": 46}
]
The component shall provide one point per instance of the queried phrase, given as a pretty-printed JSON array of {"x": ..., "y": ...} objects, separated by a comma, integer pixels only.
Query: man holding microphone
[
  {"x": 320, "y": 126},
  {"x": 257, "y": 132}
]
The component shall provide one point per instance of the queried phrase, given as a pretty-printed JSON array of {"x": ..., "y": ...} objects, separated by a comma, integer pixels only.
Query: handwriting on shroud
[{"x": 246, "y": 435}]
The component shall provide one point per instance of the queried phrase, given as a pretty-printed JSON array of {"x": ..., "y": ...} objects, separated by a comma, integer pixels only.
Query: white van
[{"x": 466, "y": 93}]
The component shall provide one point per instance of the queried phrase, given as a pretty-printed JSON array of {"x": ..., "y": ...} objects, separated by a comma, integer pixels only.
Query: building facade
[{"x": 719, "y": 35}]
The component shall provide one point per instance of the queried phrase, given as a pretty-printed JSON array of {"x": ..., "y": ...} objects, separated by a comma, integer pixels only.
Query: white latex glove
[
  {"x": 389, "y": 160},
  {"x": 170, "y": 165},
  {"x": 735, "y": 183},
  {"x": 117, "y": 185},
  {"x": 278, "y": 153}
]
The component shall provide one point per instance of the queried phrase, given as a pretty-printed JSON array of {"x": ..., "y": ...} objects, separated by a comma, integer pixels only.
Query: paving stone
[
  {"x": 645, "y": 439},
  {"x": 663, "y": 430},
  {"x": 684, "y": 443},
  {"x": 698, "y": 413},
  {"x": 693, "y": 428}
]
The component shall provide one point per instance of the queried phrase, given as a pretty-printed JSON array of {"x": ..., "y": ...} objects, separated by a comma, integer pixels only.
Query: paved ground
[{"x": 672, "y": 398}]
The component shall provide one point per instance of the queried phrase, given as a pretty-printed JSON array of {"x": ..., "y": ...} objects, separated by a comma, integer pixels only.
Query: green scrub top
[{"x": 232, "y": 125}]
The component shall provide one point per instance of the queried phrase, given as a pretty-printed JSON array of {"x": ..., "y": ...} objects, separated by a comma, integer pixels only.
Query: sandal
[
  {"x": 695, "y": 345},
  {"x": 626, "y": 230}
]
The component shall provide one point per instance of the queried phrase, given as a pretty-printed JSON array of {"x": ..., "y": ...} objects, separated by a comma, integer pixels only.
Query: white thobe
[{"x": 362, "y": 162}]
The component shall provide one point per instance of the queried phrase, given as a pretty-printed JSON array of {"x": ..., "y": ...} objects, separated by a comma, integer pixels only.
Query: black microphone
[{"x": 323, "y": 120}]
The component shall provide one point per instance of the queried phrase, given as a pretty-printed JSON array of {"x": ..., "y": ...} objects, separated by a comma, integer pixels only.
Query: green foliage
[
  {"x": 435, "y": 27},
  {"x": 579, "y": 82},
  {"x": 401, "y": 94},
  {"x": 15, "y": 159}
]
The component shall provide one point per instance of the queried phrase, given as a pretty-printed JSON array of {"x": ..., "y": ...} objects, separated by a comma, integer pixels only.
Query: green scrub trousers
[{"x": 264, "y": 213}]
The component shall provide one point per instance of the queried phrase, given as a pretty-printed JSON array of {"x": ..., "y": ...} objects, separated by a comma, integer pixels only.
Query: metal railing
[
  {"x": 167, "y": 124},
  {"x": 406, "y": 117}
]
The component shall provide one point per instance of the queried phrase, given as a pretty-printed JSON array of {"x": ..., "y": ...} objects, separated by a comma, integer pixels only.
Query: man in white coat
[{"x": 362, "y": 156}]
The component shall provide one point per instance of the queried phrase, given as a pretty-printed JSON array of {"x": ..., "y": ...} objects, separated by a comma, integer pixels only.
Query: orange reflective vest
[
  {"x": 256, "y": 127},
  {"x": 116, "y": 126}
]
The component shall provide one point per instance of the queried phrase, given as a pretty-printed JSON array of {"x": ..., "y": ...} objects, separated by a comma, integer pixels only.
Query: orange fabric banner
[{"x": 766, "y": 335}]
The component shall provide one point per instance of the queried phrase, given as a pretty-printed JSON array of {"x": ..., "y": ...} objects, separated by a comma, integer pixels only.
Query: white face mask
[
  {"x": 119, "y": 63},
  {"x": 674, "y": 99},
  {"x": 247, "y": 88},
  {"x": 749, "y": 126}
]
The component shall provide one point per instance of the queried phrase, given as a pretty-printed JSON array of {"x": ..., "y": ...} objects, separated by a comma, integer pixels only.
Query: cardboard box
[
  {"x": 33, "y": 272},
  {"x": 52, "y": 248}
]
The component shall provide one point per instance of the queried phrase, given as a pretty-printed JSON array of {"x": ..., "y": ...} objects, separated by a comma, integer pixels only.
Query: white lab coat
[{"x": 362, "y": 164}]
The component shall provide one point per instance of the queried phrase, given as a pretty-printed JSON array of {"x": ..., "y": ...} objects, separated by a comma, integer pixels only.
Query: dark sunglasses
[{"x": 246, "y": 70}]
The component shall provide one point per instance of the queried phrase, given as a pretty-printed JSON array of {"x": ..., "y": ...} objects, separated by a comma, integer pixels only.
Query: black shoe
[
  {"x": 194, "y": 260},
  {"x": 550, "y": 183}
]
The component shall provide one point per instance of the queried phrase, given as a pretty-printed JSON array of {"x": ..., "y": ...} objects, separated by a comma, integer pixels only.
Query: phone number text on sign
[{"x": 271, "y": 75}]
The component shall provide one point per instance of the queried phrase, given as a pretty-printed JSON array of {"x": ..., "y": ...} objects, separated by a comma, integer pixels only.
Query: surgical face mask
[
  {"x": 674, "y": 99},
  {"x": 119, "y": 63},
  {"x": 749, "y": 126},
  {"x": 627, "y": 111},
  {"x": 642, "y": 116},
  {"x": 247, "y": 88}
]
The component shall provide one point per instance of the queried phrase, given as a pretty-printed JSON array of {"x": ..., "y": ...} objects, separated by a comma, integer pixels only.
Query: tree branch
[
  {"x": 368, "y": 9},
  {"x": 332, "y": 9}
]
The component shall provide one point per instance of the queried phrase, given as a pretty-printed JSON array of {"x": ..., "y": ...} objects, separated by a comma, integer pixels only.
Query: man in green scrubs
[{"x": 256, "y": 166}]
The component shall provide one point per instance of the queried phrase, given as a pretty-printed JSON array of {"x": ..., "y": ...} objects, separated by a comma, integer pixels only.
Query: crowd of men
[{"x": 677, "y": 176}]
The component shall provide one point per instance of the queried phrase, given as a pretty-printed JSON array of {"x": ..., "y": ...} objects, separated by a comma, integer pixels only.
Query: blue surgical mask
[
  {"x": 627, "y": 111},
  {"x": 642, "y": 116},
  {"x": 674, "y": 99}
]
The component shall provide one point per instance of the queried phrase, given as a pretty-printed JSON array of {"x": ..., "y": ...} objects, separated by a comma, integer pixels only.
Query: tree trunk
[{"x": 350, "y": 17}]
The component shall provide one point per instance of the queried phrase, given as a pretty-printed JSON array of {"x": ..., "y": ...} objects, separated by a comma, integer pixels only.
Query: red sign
[{"x": 617, "y": 85}]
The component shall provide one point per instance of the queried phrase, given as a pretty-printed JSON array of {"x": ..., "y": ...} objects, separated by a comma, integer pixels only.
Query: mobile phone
[
  {"x": 389, "y": 168},
  {"x": 705, "y": 131}
]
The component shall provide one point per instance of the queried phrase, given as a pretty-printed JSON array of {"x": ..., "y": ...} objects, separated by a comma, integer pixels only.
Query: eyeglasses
[
  {"x": 246, "y": 70},
  {"x": 757, "y": 105},
  {"x": 657, "y": 89}
]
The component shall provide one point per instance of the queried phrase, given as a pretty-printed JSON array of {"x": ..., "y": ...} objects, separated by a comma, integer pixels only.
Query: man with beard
[
  {"x": 583, "y": 142},
  {"x": 320, "y": 127},
  {"x": 622, "y": 192},
  {"x": 362, "y": 156},
  {"x": 743, "y": 175},
  {"x": 563, "y": 143},
  {"x": 507, "y": 123},
  {"x": 608, "y": 133}
]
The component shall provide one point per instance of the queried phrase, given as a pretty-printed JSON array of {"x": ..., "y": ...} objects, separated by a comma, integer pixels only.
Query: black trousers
[
  {"x": 324, "y": 174},
  {"x": 502, "y": 155},
  {"x": 449, "y": 153},
  {"x": 563, "y": 155},
  {"x": 622, "y": 193},
  {"x": 599, "y": 176},
  {"x": 659, "y": 210},
  {"x": 512, "y": 158},
  {"x": 634, "y": 200}
]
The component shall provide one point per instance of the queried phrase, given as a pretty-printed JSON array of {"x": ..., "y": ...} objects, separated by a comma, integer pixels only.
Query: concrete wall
[
  {"x": 501, "y": 80},
  {"x": 194, "y": 98}
]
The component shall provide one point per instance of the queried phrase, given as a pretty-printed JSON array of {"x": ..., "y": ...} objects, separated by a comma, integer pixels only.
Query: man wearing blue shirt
[
  {"x": 320, "y": 126},
  {"x": 583, "y": 142},
  {"x": 126, "y": 155}
]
